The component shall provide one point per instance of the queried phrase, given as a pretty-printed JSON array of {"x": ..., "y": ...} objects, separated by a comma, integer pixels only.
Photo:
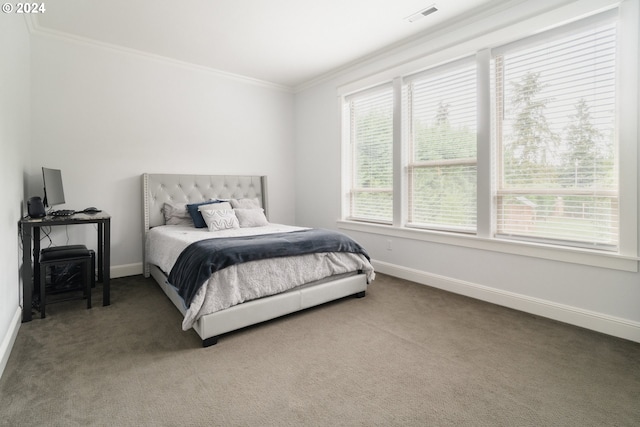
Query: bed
[{"x": 248, "y": 292}]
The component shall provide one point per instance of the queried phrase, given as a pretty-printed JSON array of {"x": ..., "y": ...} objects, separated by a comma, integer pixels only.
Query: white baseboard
[
  {"x": 9, "y": 339},
  {"x": 595, "y": 321},
  {"x": 126, "y": 270}
]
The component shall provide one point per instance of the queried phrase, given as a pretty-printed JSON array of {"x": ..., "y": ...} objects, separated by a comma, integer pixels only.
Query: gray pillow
[
  {"x": 251, "y": 217},
  {"x": 176, "y": 215},
  {"x": 245, "y": 203}
]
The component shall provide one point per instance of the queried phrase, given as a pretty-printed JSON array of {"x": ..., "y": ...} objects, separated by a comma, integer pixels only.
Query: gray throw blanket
[{"x": 201, "y": 259}]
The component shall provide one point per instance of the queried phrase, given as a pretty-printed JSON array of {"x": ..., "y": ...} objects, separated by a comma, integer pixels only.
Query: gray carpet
[{"x": 405, "y": 355}]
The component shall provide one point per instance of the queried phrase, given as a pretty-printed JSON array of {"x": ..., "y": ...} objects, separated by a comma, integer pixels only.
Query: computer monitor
[{"x": 53, "y": 191}]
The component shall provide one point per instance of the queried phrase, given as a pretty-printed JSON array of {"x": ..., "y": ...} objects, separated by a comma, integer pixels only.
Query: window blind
[
  {"x": 441, "y": 177},
  {"x": 371, "y": 138},
  {"x": 555, "y": 129}
]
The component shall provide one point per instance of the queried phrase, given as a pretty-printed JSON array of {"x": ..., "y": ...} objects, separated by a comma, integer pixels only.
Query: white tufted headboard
[{"x": 172, "y": 188}]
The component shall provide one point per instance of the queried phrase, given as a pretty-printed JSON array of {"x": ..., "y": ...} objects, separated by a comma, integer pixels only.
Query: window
[
  {"x": 441, "y": 106},
  {"x": 370, "y": 119},
  {"x": 555, "y": 135},
  {"x": 521, "y": 142}
]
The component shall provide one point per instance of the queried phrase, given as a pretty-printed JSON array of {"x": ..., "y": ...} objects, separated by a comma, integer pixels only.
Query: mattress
[{"x": 251, "y": 280}]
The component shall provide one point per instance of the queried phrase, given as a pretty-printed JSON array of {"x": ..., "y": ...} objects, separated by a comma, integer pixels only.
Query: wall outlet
[{"x": 389, "y": 247}]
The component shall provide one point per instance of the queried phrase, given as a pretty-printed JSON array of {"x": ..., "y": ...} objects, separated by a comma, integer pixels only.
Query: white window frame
[
  {"x": 348, "y": 155},
  {"x": 626, "y": 258},
  {"x": 409, "y": 165},
  {"x": 518, "y": 46}
]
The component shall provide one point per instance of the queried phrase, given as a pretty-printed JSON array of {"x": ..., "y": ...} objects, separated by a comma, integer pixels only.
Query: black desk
[{"x": 30, "y": 231}]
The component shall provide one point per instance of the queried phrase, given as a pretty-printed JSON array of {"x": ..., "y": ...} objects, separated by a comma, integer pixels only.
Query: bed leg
[
  {"x": 209, "y": 341},
  {"x": 360, "y": 294}
]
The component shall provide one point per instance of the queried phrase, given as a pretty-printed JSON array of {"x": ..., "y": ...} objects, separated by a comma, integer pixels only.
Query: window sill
[{"x": 588, "y": 257}]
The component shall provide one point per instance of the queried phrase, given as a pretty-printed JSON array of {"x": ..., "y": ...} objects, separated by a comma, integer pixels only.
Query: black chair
[{"x": 70, "y": 255}]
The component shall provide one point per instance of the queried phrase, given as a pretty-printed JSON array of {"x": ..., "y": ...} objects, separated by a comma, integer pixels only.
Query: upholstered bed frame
[{"x": 172, "y": 188}]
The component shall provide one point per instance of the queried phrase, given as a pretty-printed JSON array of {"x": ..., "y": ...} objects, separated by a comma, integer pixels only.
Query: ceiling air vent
[{"x": 422, "y": 13}]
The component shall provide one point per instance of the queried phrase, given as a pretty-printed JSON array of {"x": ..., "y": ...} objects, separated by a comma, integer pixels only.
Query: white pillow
[
  {"x": 251, "y": 217},
  {"x": 245, "y": 203},
  {"x": 220, "y": 219},
  {"x": 223, "y": 206}
]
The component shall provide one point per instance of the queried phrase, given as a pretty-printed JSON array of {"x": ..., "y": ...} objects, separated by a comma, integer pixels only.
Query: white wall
[
  {"x": 14, "y": 149},
  {"x": 104, "y": 116},
  {"x": 598, "y": 298}
]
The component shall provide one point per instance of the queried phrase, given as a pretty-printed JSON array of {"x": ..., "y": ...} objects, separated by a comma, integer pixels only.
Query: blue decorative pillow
[{"x": 196, "y": 216}]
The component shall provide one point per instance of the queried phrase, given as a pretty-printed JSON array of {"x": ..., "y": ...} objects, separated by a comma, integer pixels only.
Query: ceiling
[{"x": 284, "y": 42}]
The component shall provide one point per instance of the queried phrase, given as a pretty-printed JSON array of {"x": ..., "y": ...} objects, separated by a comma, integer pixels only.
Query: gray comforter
[{"x": 201, "y": 259}]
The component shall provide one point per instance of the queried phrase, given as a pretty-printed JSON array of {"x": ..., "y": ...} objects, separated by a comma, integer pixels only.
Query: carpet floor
[{"x": 404, "y": 355}]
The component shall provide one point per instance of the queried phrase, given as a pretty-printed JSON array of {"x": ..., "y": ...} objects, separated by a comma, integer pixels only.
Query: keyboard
[{"x": 62, "y": 212}]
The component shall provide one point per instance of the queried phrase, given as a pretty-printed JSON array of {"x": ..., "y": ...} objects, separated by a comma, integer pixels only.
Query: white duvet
[{"x": 244, "y": 282}]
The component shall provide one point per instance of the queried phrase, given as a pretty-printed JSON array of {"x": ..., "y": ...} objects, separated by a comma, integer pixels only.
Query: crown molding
[
  {"x": 30, "y": 20},
  {"x": 484, "y": 15},
  {"x": 35, "y": 29}
]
